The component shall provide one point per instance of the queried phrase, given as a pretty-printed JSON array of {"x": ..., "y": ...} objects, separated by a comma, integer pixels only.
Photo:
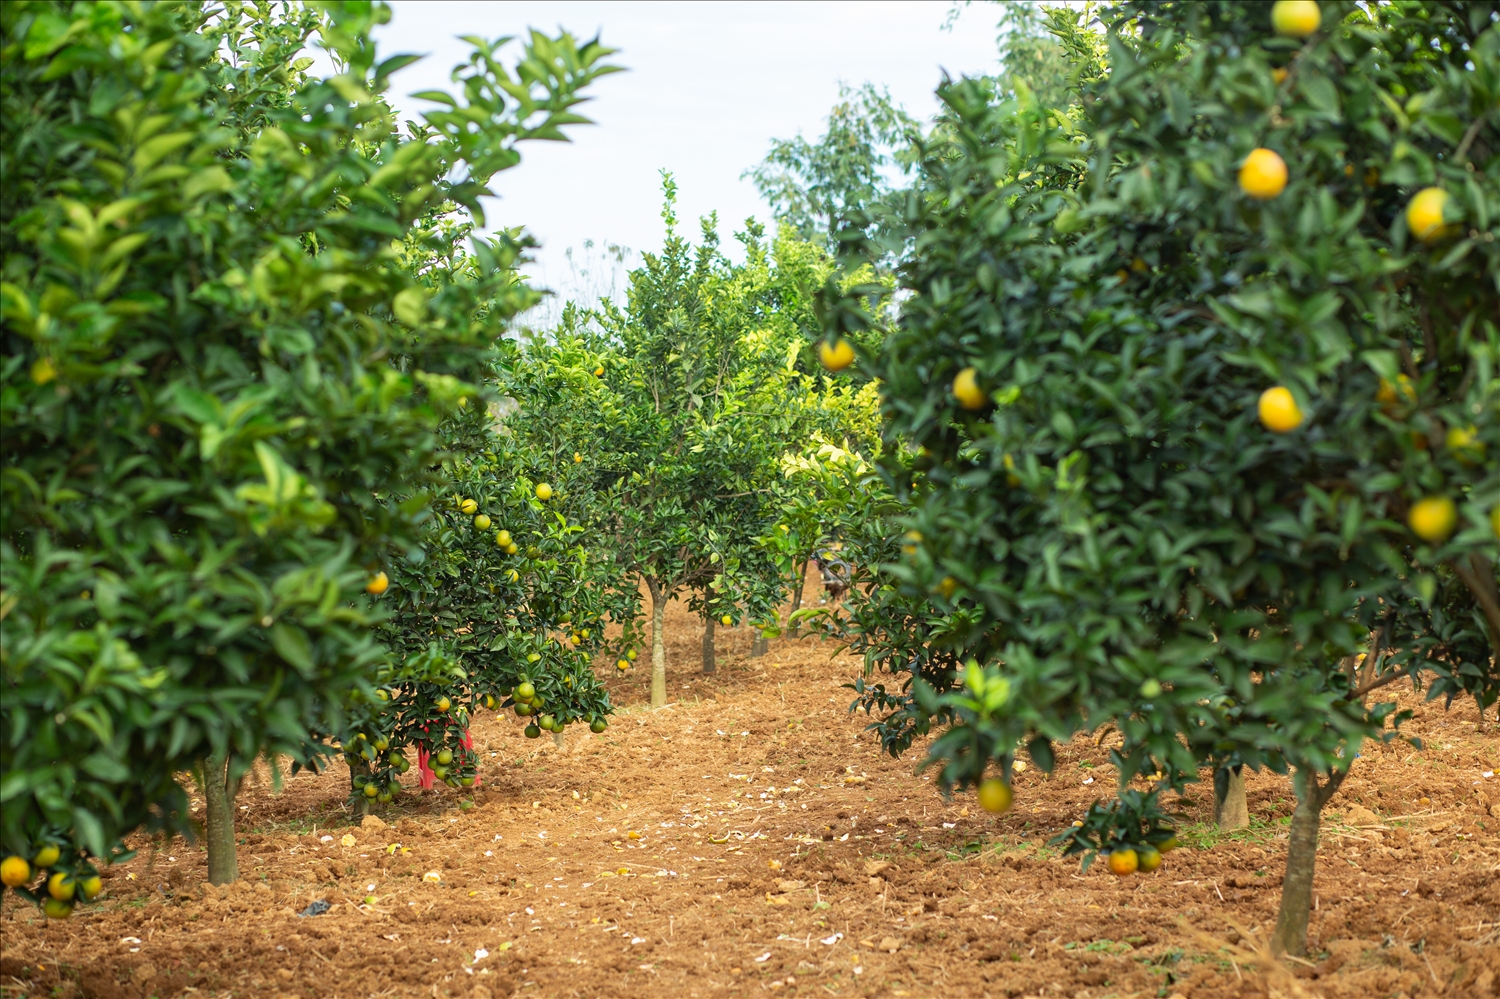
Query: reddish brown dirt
[{"x": 780, "y": 854}]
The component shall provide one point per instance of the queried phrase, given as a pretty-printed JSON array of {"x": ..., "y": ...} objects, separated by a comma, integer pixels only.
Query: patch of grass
[
  {"x": 1100, "y": 946},
  {"x": 1206, "y": 836}
]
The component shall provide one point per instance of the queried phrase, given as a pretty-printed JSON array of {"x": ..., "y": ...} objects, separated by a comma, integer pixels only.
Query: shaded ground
[{"x": 778, "y": 853}]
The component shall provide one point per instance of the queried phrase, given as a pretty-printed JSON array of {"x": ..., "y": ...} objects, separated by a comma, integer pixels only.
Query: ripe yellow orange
[
  {"x": 577, "y": 457},
  {"x": 726, "y": 620},
  {"x": 1424, "y": 214},
  {"x": 443, "y": 704},
  {"x": 1278, "y": 75},
  {"x": 47, "y": 856},
  {"x": 543, "y": 492},
  {"x": 378, "y": 584},
  {"x": 468, "y": 506},
  {"x": 599, "y": 371},
  {"x": 14, "y": 872},
  {"x": 622, "y": 665},
  {"x": 482, "y": 522},
  {"x": 1278, "y": 410},
  {"x": 90, "y": 887},
  {"x": 836, "y": 356},
  {"x": 1123, "y": 861},
  {"x": 512, "y": 548},
  {"x": 967, "y": 391},
  {"x": 43, "y": 371},
  {"x": 1263, "y": 174},
  {"x": 1465, "y": 444},
  {"x": 995, "y": 796},
  {"x": 1296, "y": 18},
  {"x": 1432, "y": 519},
  {"x": 1148, "y": 858},
  {"x": 61, "y": 886}
]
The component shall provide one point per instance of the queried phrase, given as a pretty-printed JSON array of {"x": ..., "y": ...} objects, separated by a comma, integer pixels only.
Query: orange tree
[
  {"x": 1194, "y": 396},
  {"x": 221, "y": 388}
]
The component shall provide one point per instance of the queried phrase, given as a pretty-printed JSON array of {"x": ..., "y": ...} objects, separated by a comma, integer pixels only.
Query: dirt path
[{"x": 748, "y": 839}]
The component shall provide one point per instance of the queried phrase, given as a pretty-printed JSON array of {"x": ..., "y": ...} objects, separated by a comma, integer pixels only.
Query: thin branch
[
  {"x": 1462, "y": 151},
  {"x": 1479, "y": 577},
  {"x": 1358, "y": 694}
]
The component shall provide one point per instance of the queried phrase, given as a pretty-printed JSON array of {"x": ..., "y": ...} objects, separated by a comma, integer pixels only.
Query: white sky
[{"x": 709, "y": 85}]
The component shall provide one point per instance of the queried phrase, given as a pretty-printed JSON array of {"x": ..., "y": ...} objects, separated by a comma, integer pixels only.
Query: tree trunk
[
  {"x": 797, "y": 598},
  {"x": 759, "y": 646},
  {"x": 708, "y": 644},
  {"x": 218, "y": 801},
  {"x": 658, "y": 644},
  {"x": 1230, "y": 809},
  {"x": 1301, "y": 858}
]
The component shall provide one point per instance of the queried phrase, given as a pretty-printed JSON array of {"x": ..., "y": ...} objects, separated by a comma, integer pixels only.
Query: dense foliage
[
  {"x": 223, "y": 383},
  {"x": 1105, "y": 514}
]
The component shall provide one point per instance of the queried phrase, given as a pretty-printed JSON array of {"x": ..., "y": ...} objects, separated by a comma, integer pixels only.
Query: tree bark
[
  {"x": 759, "y": 646},
  {"x": 658, "y": 644},
  {"x": 797, "y": 598},
  {"x": 1230, "y": 808},
  {"x": 1290, "y": 936},
  {"x": 218, "y": 801},
  {"x": 708, "y": 644}
]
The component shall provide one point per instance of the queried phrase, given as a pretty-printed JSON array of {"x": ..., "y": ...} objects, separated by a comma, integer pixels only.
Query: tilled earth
[{"x": 750, "y": 839}]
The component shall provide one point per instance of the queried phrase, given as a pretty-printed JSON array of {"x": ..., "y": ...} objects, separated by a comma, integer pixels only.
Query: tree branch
[
  {"x": 1359, "y": 692},
  {"x": 1479, "y": 577}
]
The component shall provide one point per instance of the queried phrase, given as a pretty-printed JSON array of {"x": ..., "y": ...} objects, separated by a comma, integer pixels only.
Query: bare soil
[{"x": 778, "y": 852}]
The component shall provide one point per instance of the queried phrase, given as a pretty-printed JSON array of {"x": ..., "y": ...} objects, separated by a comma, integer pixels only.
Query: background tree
[
  {"x": 218, "y": 379},
  {"x": 1107, "y": 521}
]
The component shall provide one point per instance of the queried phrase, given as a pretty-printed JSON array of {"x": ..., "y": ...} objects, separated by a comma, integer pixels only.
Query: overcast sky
[{"x": 709, "y": 85}]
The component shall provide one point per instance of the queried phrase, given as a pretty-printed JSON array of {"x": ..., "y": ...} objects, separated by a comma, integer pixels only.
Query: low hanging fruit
[
  {"x": 622, "y": 665},
  {"x": 1433, "y": 519},
  {"x": 1278, "y": 410},
  {"x": 482, "y": 522},
  {"x": 1263, "y": 174},
  {"x": 836, "y": 356},
  {"x": 1296, "y": 18},
  {"x": 1424, "y": 214},
  {"x": 1123, "y": 861},
  {"x": 378, "y": 584},
  {"x": 47, "y": 856},
  {"x": 726, "y": 620},
  {"x": 967, "y": 391},
  {"x": 468, "y": 506},
  {"x": 15, "y": 872},
  {"x": 1148, "y": 858},
  {"x": 502, "y": 538},
  {"x": 543, "y": 492}
]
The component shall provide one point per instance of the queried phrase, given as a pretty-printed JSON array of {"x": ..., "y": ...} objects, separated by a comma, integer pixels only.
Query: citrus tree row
[
  {"x": 250, "y": 342},
  {"x": 1194, "y": 400}
]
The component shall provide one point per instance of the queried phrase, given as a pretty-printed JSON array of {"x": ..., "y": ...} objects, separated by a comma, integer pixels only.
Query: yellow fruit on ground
[
  {"x": 482, "y": 522},
  {"x": 1278, "y": 410},
  {"x": 14, "y": 872},
  {"x": 967, "y": 391},
  {"x": 1296, "y": 18},
  {"x": 378, "y": 584},
  {"x": 1465, "y": 444},
  {"x": 61, "y": 886},
  {"x": 55, "y": 909},
  {"x": 1148, "y": 858},
  {"x": 468, "y": 506},
  {"x": 543, "y": 492},
  {"x": 1263, "y": 174},
  {"x": 1424, "y": 214},
  {"x": 726, "y": 620},
  {"x": 1124, "y": 862},
  {"x": 47, "y": 856},
  {"x": 90, "y": 887},
  {"x": 1432, "y": 519},
  {"x": 836, "y": 356},
  {"x": 995, "y": 796}
]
